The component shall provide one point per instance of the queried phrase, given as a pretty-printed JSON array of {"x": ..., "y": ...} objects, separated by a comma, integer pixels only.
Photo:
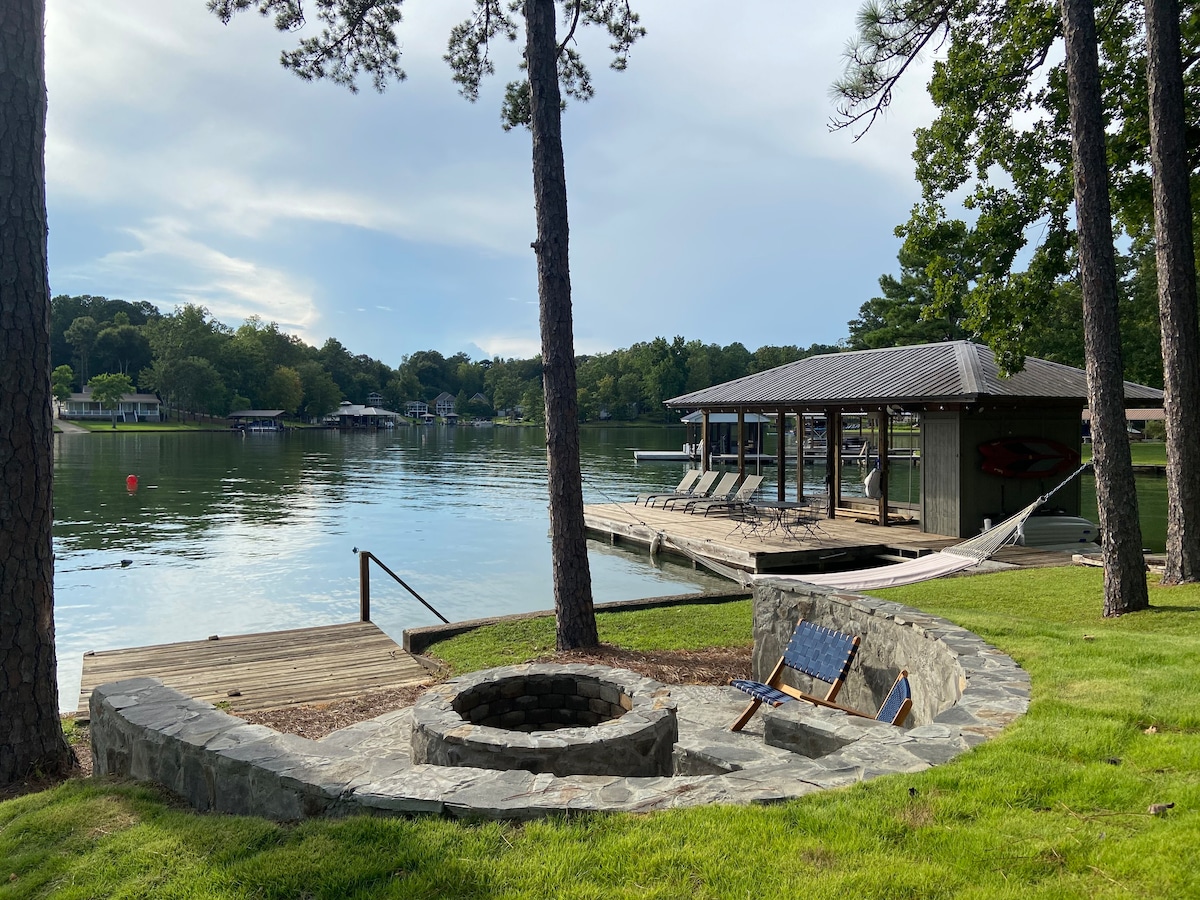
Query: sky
[{"x": 707, "y": 196}]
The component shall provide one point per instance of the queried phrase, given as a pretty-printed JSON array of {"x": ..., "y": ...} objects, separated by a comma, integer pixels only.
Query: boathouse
[
  {"x": 989, "y": 445},
  {"x": 257, "y": 419}
]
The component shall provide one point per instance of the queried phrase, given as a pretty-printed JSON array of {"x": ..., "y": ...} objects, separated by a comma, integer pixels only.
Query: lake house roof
[
  {"x": 86, "y": 397},
  {"x": 952, "y": 372}
]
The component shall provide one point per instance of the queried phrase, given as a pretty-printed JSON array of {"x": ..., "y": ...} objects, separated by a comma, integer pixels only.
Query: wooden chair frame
[{"x": 814, "y": 650}]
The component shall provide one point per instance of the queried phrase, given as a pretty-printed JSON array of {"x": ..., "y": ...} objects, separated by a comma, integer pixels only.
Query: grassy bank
[{"x": 1055, "y": 807}]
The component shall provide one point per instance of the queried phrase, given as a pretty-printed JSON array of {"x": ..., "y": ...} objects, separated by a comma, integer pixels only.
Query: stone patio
[{"x": 144, "y": 730}]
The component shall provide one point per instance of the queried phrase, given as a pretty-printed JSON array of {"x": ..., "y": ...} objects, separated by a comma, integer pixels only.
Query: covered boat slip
[
  {"x": 829, "y": 545},
  {"x": 987, "y": 441},
  {"x": 264, "y": 671}
]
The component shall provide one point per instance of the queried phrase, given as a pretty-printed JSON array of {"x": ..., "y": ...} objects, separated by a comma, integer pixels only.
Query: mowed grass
[
  {"x": 666, "y": 628},
  {"x": 1057, "y": 806}
]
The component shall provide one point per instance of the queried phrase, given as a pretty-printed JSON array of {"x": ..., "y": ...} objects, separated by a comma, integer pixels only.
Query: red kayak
[{"x": 1027, "y": 458}]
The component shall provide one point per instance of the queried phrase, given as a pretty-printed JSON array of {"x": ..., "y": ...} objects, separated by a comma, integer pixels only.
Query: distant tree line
[{"x": 198, "y": 365}]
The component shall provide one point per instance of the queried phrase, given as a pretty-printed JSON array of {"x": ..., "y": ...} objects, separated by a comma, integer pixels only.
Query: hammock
[{"x": 970, "y": 552}]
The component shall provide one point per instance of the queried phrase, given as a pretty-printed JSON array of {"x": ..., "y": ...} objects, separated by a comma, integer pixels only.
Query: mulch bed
[{"x": 713, "y": 666}]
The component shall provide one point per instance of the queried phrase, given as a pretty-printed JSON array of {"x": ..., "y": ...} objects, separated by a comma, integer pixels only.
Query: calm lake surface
[{"x": 230, "y": 534}]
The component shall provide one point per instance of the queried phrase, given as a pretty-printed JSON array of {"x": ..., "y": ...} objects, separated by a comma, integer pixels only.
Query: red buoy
[{"x": 131, "y": 482}]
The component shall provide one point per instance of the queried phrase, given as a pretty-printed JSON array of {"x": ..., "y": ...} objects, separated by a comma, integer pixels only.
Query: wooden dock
[
  {"x": 264, "y": 671},
  {"x": 836, "y": 544}
]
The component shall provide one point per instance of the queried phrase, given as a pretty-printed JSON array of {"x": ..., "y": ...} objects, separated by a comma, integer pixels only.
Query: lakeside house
[
  {"x": 443, "y": 404},
  {"x": 132, "y": 408}
]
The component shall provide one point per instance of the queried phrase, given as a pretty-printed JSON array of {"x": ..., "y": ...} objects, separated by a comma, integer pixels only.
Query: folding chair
[
  {"x": 700, "y": 489},
  {"x": 814, "y": 650},
  {"x": 685, "y": 485},
  {"x": 723, "y": 491}
]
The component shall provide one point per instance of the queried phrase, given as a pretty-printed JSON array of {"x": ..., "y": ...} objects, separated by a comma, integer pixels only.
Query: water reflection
[{"x": 230, "y": 534}]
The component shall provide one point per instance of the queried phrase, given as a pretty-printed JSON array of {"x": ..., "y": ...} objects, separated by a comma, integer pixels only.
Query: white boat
[{"x": 1060, "y": 533}]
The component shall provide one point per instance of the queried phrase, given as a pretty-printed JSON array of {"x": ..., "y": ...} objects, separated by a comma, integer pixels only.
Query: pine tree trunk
[
  {"x": 573, "y": 608},
  {"x": 31, "y": 738},
  {"x": 1176, "y": 288},
  {"x": 1116, "y": 496}
]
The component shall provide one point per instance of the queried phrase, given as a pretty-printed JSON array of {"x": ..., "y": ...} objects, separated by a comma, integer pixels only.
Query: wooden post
[
  {"x": 741, "y": 443},
  {"x": 364, "y": 586},
  {"x": 799, "y": 456},
  {"x": 780, "y": 456},
  {"x": 833, "y": 458},
  {"x": 704, "y": 441},
  {"x": 884, "y": 450}
]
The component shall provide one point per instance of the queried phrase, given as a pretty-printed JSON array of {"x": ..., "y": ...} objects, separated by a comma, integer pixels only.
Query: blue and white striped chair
[
  {"x": 814, "y": 650},
  {"x": 897, "y": 704}
]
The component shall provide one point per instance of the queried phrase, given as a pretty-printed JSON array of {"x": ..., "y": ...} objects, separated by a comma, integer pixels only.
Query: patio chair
[
  {"x": 685, "y": 486},
  {"x": 699, "y": 489},
  {"x": 897, "y": 704},
  {"x": 895, "y": 707},
  {"x": 723, "y": 491},
  {"x": 739, "y": 499},
  {"x": 814, "y": 650}
]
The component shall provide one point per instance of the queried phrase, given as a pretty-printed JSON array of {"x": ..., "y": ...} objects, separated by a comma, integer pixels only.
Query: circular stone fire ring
[{"x": 556, "y": 719}]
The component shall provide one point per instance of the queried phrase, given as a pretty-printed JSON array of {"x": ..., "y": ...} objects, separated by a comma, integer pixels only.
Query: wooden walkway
[
  {"x": 837, "y": 543},
  {"x": 264, "y": 671}
]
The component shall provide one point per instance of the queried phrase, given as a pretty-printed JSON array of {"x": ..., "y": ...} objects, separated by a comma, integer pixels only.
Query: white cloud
[
  {"x": 508, "y": 346},
  {"x": 190, "y": 271},
  {"x": 704, "y": 172}
]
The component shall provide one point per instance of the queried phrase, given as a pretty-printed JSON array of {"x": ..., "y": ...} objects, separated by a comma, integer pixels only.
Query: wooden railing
[{"x": 364, "y": 586}]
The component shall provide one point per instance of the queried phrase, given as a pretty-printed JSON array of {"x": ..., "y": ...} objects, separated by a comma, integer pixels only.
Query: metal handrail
[{"x": 364, "y": 586}]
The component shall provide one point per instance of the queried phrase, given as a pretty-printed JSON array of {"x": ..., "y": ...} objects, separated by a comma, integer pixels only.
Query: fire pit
[{"x": 559, "y": 719}]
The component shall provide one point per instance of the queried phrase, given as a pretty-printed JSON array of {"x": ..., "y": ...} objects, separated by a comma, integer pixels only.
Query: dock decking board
[
  {"x": 717, "y": 537},
  {"x": 280, "y": 668}
]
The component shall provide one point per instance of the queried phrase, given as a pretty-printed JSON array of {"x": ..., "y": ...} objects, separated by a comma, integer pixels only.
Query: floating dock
[
  {"x": 828, "y": 545},
  {"x": 275, "y": 669}
]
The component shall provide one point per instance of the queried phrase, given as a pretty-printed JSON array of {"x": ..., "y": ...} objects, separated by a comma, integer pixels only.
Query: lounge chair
[
  {"x": 814, "y": 650},
  {"x": 896, "y": 705},
  {"x": 699, "y": 490},
  {"x": 738, "y": 501},
  {"x": 684, "y": 487},
  {"x": 723, "y": 491}
]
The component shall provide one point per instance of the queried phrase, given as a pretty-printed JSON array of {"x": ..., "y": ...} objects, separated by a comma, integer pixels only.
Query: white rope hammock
[{"x": 970, "y": 552}]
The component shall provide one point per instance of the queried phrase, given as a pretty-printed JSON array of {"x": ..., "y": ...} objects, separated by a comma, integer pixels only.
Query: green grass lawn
[
  {"x": 1143, "y": 453},
  {"x": 1056, "y": 807},
  {"x": 102, "y": 427}
]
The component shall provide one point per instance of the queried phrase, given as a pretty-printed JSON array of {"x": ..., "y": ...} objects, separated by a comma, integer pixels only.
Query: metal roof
[
  {"x": 256, "y": 414},
  {"x": 723, "y": 418},
  {"x": 948, "y": 372}
]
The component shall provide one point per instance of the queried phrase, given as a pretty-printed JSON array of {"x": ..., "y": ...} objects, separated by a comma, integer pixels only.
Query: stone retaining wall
[
  {"x": 940, "y": 656},
  {"x": 964, "y": 690}
]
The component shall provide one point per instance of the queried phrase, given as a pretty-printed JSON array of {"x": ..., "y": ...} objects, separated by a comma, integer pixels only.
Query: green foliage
[
  {"x": 108, "y": 389},
  {"x": 82, "y": 335},
  {"x": 61, "y": 380},
  {"x": 1000, "y": 143},
  {"x": 121, "y": 348},
  {"x": 283, "y": 390},
  {"x": 321, "y": 393},
  {"x": 200, "y": 365}
]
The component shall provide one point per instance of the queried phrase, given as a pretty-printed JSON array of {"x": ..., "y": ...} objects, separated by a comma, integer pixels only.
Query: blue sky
[{"x": 707, "y": 196}]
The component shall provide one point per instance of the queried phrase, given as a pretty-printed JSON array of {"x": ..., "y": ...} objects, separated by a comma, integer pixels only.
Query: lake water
[{"x": 229, "y": 534}]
